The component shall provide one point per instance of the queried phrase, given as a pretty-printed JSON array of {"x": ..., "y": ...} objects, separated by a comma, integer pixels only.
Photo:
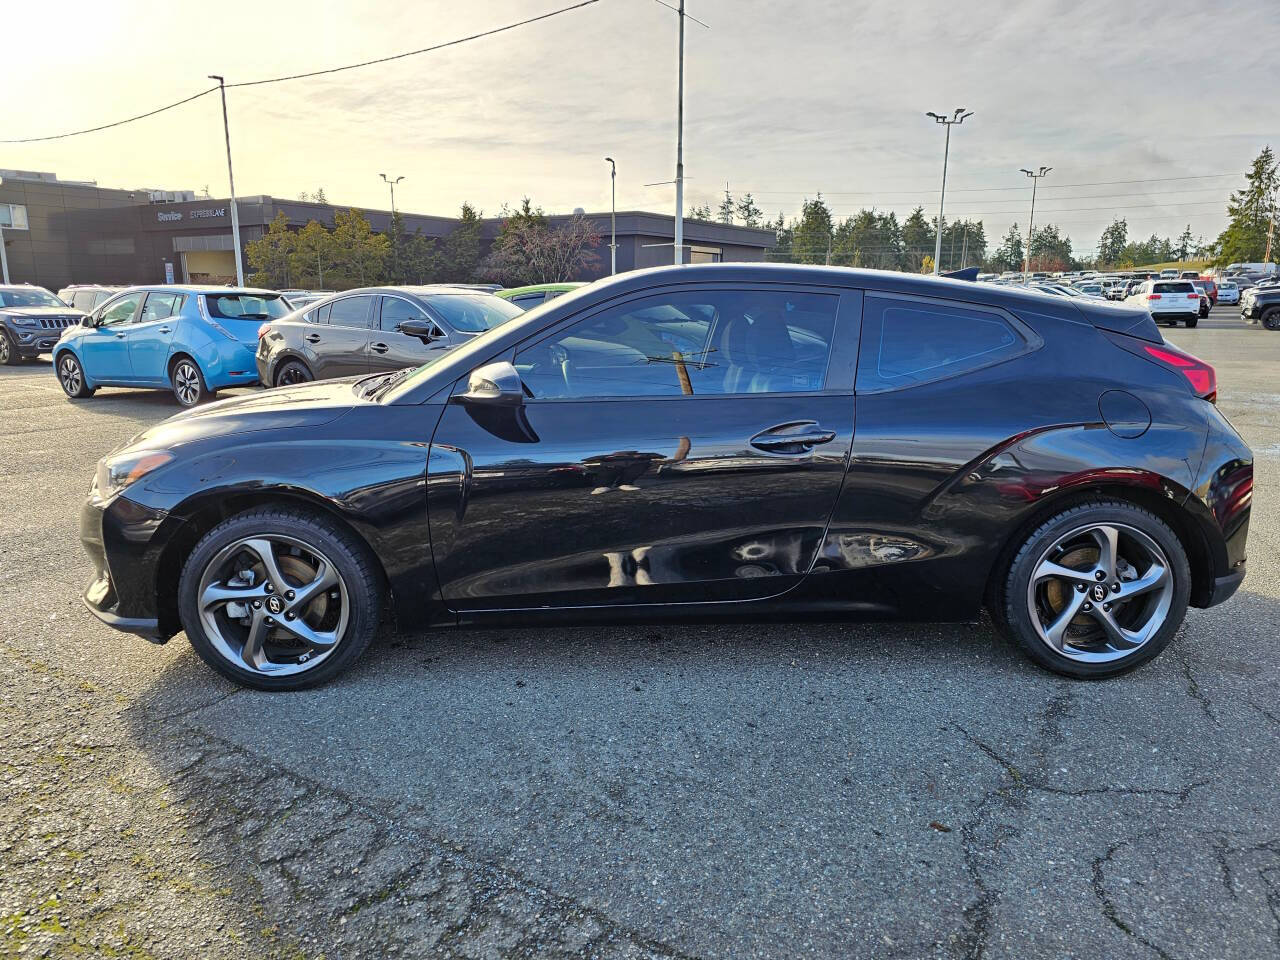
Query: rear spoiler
[{"x": 968, "y": 273}]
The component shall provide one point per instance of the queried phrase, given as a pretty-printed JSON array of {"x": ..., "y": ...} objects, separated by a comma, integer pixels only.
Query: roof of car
[{"x": 539, "y": 288}]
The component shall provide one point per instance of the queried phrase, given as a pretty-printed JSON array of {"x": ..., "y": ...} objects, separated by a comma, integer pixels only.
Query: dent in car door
[
  {"x": 617, "y": 482},
  {"x": 151, "y": 335},
  {"x": 340, "y": 346}
]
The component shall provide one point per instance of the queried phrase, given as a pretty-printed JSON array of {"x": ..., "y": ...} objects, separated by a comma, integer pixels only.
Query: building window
[
  {"x": 705, "y": 254},
  {"x": 13, "y": 216}
]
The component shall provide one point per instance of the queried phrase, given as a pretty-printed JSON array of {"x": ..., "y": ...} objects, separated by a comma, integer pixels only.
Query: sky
[{"x": 782, "y": 99}]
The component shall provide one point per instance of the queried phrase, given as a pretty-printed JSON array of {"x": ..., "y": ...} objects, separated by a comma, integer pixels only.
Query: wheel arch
[
  {"x": 1171, "y": 512},
  {"x": 288, "y": 355},
  {"x": 200, "y": 514}
]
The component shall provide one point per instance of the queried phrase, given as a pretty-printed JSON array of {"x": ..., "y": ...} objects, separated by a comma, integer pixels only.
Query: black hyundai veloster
[{"x": 740, "y": 441}]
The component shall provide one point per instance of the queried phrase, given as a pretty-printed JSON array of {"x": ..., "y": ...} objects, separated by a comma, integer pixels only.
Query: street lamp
[
  {"x": 393, "y": 190},
  {"x": 613, "y": 216},
  {"x": 1031, "y": 221},
  {"x": 235, "y": 215},
  {"x": 958, "y": 117}
]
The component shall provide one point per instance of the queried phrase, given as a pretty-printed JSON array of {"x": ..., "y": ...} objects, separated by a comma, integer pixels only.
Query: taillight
[
  {"x": 1153, "y": 296},
  {"x": 1201, "y": 376}
]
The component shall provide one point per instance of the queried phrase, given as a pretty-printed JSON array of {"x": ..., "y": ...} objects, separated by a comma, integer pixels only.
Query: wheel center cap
[
  {"x": 275, "y": 604},
  {"x": 1099, "y": 592}
]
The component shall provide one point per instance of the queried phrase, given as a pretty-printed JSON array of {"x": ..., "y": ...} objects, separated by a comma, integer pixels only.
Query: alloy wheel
[
  {"x": 186, "y": 383},
  {"x": 273, "y": 604},
  {"x": 1100, "y": 592},
  {"x": 4, "y": 348},
  {"x": 292, "y": 375},
  {"x": 70, "y": 376}
]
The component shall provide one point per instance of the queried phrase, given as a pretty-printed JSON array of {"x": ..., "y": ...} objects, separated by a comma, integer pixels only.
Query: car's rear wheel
[
  {"x": 293, "y": 372},
  {"x": 1192, "y": 322},
  {"x": 1096, "y": 591},
  {"x": 279, "y": 599},
  {"x": 71, "y": 376},
  {"x": 187, "y": 382},
  {"x": 1271, "y": 319},
  {"x": 8, "y": 352}
]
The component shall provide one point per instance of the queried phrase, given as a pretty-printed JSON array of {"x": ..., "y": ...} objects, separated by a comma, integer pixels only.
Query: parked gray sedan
[{"x": 374, "y": 329}]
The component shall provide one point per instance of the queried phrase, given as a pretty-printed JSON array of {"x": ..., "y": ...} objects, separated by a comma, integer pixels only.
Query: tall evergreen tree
[
  {"x": 917, "y": 239},
  {"x": 460, "y": 255},
  {"x": 812, "y": 235},
  {"x": 1250, "y": 211},
  {"x": 748, "y": 212},
  {"x": 1008, "y": 255},
  {"x": 725, "y": 212},
  {"x": 1112, "y": 242}
]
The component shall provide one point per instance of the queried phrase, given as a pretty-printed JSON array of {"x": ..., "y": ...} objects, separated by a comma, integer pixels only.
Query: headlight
[
  {"x": 24, "y": 321},
  {"x": 117, "y": 472}
]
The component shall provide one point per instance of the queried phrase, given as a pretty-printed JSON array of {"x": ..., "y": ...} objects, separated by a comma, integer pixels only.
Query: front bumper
[
  {"x": 118, "y": 537},
  {"x": 1224, "y": 588},
  {"x": 32, "y": 341}
]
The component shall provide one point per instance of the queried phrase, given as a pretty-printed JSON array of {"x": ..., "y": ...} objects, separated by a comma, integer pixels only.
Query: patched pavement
[{"x": 773, "y": 790}]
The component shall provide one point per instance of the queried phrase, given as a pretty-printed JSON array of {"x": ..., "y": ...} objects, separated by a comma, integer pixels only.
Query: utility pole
[
  {"x": 391, "y": 229},
  {"x": 958, "y": 117},
  {"x": 679, "y": 233},
  {"x": 964, "y": 246},
  {"x": 1271, "y": 229},
  {"x": 1031, "y": 221},
  {"x": 613, "y": 217},
  {"x": 4, "y": 258},
  {"x": 235, "y": 214}
]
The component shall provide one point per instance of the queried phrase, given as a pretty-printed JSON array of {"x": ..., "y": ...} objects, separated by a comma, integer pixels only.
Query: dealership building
[{"x": 58, "y": 232}]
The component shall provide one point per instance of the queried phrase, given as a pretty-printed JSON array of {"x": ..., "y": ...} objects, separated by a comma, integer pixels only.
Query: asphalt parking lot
[{"x": 782, "y": 790}]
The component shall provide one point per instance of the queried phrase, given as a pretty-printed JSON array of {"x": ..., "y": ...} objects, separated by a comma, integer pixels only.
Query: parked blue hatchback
[{"x": 191, "y": 340}]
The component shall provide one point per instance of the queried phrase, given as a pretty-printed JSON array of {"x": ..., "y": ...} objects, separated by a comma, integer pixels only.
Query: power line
[
  {"x": 118, "y": 123},
  {"x": 414, "y": 53},
  {"x": 317, "y": 73}
]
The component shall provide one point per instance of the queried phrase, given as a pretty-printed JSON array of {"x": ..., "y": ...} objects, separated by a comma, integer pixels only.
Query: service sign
[{"x": 201, "y": 213}]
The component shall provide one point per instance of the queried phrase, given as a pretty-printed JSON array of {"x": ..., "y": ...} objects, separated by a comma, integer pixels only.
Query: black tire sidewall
[
  {"x": 285, "y": 366},
  {"x": 1271, "y": 319},
  {"x": 1012, "y": 607},
  {"x": 11, "y": 358},
  {"x": 85, "y": 391},
  {"x": 354, "y": 564}
]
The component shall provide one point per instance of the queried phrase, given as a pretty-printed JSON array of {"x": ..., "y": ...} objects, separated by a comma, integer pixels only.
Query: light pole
[
  {"x": 393, "y": 190},
  {"x": 4, "y": 258},
  {"x": 613, "y": 216},
  {"x": 1031, "y": 221},
  {"x": 235, "y": 214},
  {"x": 679, "y": 237},
  {"x": 958, "y": 117}
]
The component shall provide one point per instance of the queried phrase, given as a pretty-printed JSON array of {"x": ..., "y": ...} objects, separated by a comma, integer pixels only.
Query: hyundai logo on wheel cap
[
  {"x": 275, "y": 604},
  {"x": 1099, "y": 593}
]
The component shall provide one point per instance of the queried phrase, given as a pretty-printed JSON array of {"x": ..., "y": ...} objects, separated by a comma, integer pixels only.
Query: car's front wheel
[
  {"x": 8, "y": 352},
  {"x": 71, "y": 376},
  {"x": 1271, "y": 319},
  {"x": 279, "y": 599},
  {"x": 1095, "y": 591}
]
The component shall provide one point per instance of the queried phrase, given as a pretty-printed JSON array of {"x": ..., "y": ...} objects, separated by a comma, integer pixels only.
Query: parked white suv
[{"x": 1169, "y": 301}]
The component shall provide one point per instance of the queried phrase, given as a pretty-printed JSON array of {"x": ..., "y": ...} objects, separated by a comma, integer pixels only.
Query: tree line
[{"x": 527, "y": 249}]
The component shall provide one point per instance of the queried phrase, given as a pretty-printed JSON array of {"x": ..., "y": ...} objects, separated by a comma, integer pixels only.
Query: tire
[
  {"x": 1192, "y": 322},
  {"x": 1204, "y": 311},
  {"x": 1271, "y": 319},
  {"x": 9, "y": 356},
  {"x": 293, "y": 372},
  {"x": 71, "y": 376},
  {"x": 1030, "y": 609},
  {"x": 187, "y": 382},
  {"x": 304, "y": 546}
]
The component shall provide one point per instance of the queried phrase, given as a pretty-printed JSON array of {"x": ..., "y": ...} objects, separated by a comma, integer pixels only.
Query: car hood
[
  {"x": 42, "y": 312},
  {"x": 284, "y": 408}
]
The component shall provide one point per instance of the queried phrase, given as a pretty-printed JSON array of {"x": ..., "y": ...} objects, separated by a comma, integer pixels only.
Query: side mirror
[
  {"x": 88, "y": 321},
  {"x": 497, "y": 384},
  {"x": 423, "y": 329}
]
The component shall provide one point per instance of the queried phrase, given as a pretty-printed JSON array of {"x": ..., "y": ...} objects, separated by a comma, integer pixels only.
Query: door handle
[
  {"x": 312, "y": 338},
  {"x": 797, "y": 437},
  {"x": 379, "y": 347},
  {"x": 119, "y": 336},
  {"x": 163, "y": 330}
]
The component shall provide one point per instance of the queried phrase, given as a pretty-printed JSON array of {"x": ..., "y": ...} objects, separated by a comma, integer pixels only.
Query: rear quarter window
[{"x": 907, "y": 342}]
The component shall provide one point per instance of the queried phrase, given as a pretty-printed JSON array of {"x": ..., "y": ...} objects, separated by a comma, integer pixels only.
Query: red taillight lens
[
  {"x": 1201, "y": 376},
  {"x": 1153, "y": 296},
  {"x": 262, "y": 330}
]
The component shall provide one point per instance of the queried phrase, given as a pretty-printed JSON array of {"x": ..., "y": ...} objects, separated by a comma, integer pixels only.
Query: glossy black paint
[{"x": 661, "y": 507}]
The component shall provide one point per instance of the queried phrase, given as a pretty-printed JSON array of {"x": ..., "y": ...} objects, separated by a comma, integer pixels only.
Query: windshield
[
  {"x": 246, "y": 306},
  {"x": 33, "y": 297},
  {"x": 470, "y": 313}
]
